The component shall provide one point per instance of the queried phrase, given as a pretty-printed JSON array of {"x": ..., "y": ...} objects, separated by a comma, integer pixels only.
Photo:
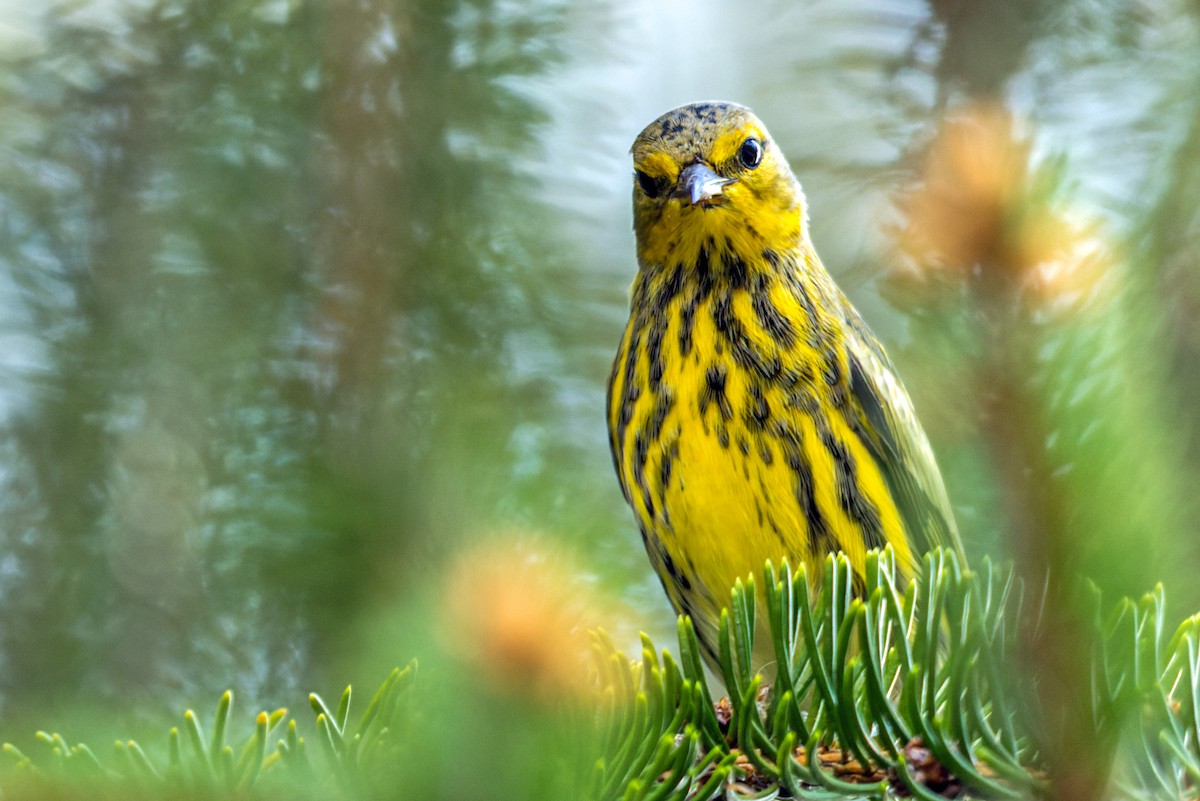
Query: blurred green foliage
[
  {"x": 274, "y": 286},
  {"x": 300, "y": 299},
  {"x": 905, "y": 691}
]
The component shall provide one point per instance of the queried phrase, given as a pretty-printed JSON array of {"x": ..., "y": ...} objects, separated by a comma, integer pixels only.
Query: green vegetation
[{"x": 912, "y": 690}]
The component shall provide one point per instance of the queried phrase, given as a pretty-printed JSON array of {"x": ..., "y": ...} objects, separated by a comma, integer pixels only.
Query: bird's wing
[{"x": 893, "y": 435}]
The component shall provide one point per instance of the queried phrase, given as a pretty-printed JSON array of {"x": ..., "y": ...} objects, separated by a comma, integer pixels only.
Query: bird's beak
[{"x": 700, "y": 186}]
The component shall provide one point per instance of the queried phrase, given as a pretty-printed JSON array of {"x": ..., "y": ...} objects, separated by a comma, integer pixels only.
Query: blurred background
[{"x": 306, "y": 309}]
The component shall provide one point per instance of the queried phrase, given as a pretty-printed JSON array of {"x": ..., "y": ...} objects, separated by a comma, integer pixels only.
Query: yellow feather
[{"x": 752, "y": 414}]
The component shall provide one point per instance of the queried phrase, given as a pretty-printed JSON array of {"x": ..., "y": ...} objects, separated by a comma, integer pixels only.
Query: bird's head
[{"x": 708, "y": 175}]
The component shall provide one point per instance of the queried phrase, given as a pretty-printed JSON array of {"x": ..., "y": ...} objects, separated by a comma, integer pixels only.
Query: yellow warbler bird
[{"x": 752, "y": 415}]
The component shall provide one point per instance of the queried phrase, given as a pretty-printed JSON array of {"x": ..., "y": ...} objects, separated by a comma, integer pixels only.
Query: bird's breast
[{"x": 732, "y": 436}]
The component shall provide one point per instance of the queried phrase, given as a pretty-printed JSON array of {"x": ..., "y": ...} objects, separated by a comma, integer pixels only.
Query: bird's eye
[
  {"x": 652, "y": 186},
  {"x": 750, "y": 153}
]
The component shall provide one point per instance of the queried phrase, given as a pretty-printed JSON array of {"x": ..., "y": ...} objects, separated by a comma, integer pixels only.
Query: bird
[{"x": 752, "y": 414}]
